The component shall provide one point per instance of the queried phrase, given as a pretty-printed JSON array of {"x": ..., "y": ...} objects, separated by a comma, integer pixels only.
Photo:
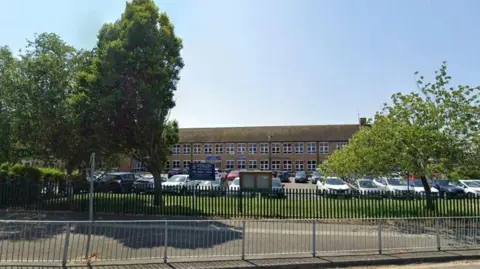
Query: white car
[
  {"x": 366, "y": 186},
  {"x": 417, "y": 186},
  {"x": 470, "y": 187},
  {"x": 393, "y": 185},
  {"x": 179, "y": 184},
  {"x": 333, "y": 185}
]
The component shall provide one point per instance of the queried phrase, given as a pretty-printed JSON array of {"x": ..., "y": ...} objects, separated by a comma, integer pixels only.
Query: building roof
[{"x": 260, "y": 134}]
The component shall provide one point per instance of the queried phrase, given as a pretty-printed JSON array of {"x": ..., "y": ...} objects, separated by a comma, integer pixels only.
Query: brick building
[{"x": 290, "y": 148}]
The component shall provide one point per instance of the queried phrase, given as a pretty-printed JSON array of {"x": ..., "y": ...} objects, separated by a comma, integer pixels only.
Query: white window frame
[
  {"x": 276, "y": 148},
  {"x": 187, "y": 149},
  {"x": 209, "y": 147},
  {"x": 252, "y": 164},
  {"x": 198, "y": 161},
  {"x": 287, "y": 148},
  {"x": 187, "y": 162},
  {"x": 229, "y": 164},
  {"x": 139, "y": 166},
  {"x": 299, "y": 148},
  {"x": 242, "y": 164},
  {"x": 197, "y": 149},
  {"x": 341, "y": 144},
  {"x": 175, "y": 164},
  {"x": 176, "y": 149},
  {"x": 241, "y": 148},
  {"x": 311, "y": 147},
  {"x": 264, "y": 148},
  {"x": 252, "y": 148},
  {"x": 287, "y": 165},
  {"x": 311, "y": 165},
  {"x": 275, "y": 165},
  {"x": 230, "y": 148},
  {"x": 323, "y": 148},
  {"x": 218, "y": 148},
  {"x": 299, "y": 165},
  {"x": 264, "y": 165}
]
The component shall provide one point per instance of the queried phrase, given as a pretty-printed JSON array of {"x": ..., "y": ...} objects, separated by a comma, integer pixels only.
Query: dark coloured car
[
  {"x": 119, "y": 182},
  {"x": 177, "y": 171},
  {"x": 445, "y": 189},
  {"x": 316, "y": 176},
  {"x": 301, "y": 176},
  {"x": 283, "y": 176}
]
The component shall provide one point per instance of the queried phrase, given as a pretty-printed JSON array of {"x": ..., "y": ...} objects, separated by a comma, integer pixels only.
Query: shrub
[{"x": 52, "y": 175}]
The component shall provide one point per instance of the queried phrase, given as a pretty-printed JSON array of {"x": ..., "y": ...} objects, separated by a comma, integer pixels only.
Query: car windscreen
[
  {"x": 300, "y": 174},
  {"x": 417, "y": 183},
  {"x": 472, "y": 184},
  {"x": 442, "y": 182},
  {"x": 395, "y": 182},
  {"x": 334, "y": 181},
  {"x": 177, "y": 178},
  {"x": 236, "y": 182},
  {"x": 368, "y": 184},
  {"x": 276, "y": 183}
]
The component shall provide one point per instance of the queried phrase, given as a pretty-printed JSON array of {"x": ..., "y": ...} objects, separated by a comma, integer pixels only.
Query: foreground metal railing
[{"x": 82, "y": 241}]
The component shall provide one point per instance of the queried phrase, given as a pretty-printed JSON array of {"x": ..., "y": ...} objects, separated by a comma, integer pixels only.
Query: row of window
[
  {"x": 254, "y": 164},
  {"x": 241, "y": 148}
]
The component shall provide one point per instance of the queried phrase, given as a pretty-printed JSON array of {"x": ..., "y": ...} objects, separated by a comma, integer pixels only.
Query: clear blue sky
[{"x": 282, "y": 62}]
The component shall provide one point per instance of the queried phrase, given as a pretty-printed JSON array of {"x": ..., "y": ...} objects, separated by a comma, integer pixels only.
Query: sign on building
[
  {"x": 214, "y": 158},
  {"x": 202, "y": 171}
]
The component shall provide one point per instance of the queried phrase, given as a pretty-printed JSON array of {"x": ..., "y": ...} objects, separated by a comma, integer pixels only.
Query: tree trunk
[
  {"x": 69, "y": 188},
  {"x": 428, "y": 194},
  {"x": 157, "y": 181}
]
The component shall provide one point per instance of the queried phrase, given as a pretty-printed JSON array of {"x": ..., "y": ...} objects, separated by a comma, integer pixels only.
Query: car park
[
  {"x": 232, "y": 175},
  {"x": 366, "y": 187},
  {"x": 283, "y": 176},
  {"x": 119, "y": 182},
  {"x": 179, "y": 184},
  {"x": 215, "y": 187},
  {"x": 333, "y": 186},
  {"x": 446, "y": 189},
  {"x": 177, "y": 171},
  {"x": 471, "y": 188},
  {"x": 393, "y": 186},
  {"x": 146, "y": 184},
  {"x": 418, "y": 188},
  {"x": 301, "y": 176}
]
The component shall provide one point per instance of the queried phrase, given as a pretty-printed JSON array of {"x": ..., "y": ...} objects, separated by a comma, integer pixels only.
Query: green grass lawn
[{"x": 258, "y": 207}]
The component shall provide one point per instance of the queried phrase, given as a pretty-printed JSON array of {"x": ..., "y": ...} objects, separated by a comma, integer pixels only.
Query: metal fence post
[
  {"x": 165, "y": 243},
  {"x": 244, "y": 228},
  {"x": 66, "y": 244},
  {"x": 437, "y": 231},
  {"x": 314, "y": 239},
  {"x": 89, "y": 239},
  {"x": 380, "y": 237}
]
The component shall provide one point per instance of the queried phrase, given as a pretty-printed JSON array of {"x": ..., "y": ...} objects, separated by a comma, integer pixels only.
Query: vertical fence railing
[
  {"x": 285, "y": 204},
  {"x": 64, "y": 242}
]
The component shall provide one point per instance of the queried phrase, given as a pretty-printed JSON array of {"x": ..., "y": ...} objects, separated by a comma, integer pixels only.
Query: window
[
  {"x": 341, "y": 144},
  {"x": 287, "y": 148},
  {"x": 241, "y": 148},
  {"x": 275, "y": 165},
  {"x": 323, "y": 148},
  {"x": 299, "y": 166},
  {"x": 176, "y": 149},
  {"x": 287, "y": 165},
  {"x": 196, "y": 149},
  {"x": 263, "y": 165},
  {"x": 252, "y": 148},
  {"x": 198, "y": 161},
  {"x": 241, "y": 164},
  {"x": 275, "y": 148},
  {"x": 299, "y": 148},
  {"x": 186, "y": 164},
  {"x": 167, "y": 165},
  {"x": 219, "y": 148},
  {"x": 186, "y": 149},
  {"x": 207, "y": 148},
  {"x": 311, "y": 147},
  {"x": 252, "y": 164},
  {"x": 176, "y": 164},
  {"x": 229, "y": 164},
  {"x": 230, "y": 149},
  {"x": 264, "y": 148},
  {"x": 311, "y": 165},
  {"x": 139, "y": 166}
]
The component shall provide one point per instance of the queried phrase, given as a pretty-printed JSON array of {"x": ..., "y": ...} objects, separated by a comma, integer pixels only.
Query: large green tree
[
  {"x": 432, "y": 130},
  {"x": 132, "y": 83}
]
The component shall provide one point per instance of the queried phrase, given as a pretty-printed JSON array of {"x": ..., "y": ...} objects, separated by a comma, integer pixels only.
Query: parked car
[
  {"x": 119, "y": 182},
  {"x": 179, "y": 184},
  {"x": 333, "y": 186},
  {"x": 215, "y": 187},
  {"x": 471, "y": 188},
  {"x": 366, "y": 186},
  {"x": 393, "y": 186},
  {"x": 146, "y": 184},
  {"x": 316, "y": 176},
  {"x": 177, "y": 171},
  {"x": 447, "y": 190},
  {"x": 418, "y": 187},
  {"x": 277, "y": 188},
  {"x": 283, "y": 176},
  {"x": 301, "y": 176},
  {"x": 232, "y": 175}
]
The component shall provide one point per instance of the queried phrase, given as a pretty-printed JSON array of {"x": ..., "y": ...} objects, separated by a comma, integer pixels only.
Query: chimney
[{"x": 362, "y": 121}]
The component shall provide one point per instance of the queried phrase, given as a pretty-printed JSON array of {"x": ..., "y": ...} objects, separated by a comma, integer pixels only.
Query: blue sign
[
  {"x": 214, "y": 158},
  {"x": 242, "y": 158},
  {"x": 202, "y": 171}
]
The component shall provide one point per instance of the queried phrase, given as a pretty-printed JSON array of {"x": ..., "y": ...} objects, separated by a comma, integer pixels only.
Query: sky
[{"x": 282, "y": 62}]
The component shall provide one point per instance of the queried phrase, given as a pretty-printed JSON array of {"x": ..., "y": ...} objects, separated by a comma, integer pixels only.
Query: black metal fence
[{"x": 227, "y": 203}]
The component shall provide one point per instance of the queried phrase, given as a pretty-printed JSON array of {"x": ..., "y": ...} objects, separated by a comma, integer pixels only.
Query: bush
[
  {"x": 52, "y": 175},
  {"x": 25, "y": 173}
]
